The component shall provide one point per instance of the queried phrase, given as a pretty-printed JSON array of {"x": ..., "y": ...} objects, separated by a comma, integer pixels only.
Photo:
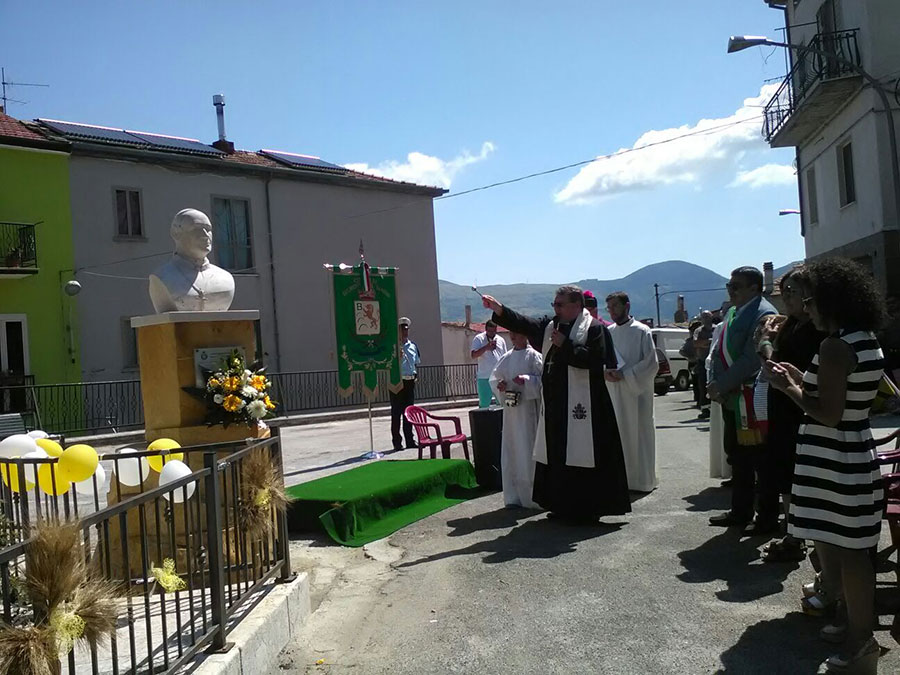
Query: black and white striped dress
[{"x": 837, "y": 495}]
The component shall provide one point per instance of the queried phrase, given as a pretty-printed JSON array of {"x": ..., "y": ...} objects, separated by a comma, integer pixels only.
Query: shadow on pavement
[
  {"x": 498, "y": 519},
  {"x": 789, "y": 645},
  {"x": 735, "y": 560},
  {"x": 540, "y": 539},
  {"x": 709, "y": 499}
]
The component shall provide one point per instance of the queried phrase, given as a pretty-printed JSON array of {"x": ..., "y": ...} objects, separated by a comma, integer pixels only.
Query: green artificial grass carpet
[{"x": 375, "y": 500}]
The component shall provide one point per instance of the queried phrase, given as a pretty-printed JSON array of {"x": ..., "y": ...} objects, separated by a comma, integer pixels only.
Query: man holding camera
[{"x": 487, "y": 348}]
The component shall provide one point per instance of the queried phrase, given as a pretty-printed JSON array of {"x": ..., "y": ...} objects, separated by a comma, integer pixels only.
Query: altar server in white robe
[
  {"x": 631, "y": 389},
  {"x": 516, "y": 381}
]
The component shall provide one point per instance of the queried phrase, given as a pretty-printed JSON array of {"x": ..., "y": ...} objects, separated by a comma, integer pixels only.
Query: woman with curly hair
[{"x": 837, "y": 495}]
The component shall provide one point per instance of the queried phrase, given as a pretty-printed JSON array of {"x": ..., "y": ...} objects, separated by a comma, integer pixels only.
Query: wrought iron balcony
[
  {"x": 18, "y": 250},
  {"x": 814, "y": 90}
]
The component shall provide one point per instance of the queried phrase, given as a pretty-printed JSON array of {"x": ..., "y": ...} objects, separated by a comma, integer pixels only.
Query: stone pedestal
[{"x": 166, "y": 344}]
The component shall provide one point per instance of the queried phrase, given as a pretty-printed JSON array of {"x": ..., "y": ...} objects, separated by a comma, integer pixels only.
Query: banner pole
[{"x": 371, "y": 433}]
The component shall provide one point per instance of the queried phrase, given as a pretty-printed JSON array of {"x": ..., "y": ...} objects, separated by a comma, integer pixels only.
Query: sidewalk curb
[
  {"x": 302, "y": 419},
  {"x": 260, "y": 636}
]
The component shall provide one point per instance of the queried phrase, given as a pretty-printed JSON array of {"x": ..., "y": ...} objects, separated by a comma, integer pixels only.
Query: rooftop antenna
[{"x": 4, "y": 84}]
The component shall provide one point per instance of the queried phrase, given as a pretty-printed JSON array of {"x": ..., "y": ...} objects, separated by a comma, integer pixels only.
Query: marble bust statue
[{"x": 188, "y": 281}]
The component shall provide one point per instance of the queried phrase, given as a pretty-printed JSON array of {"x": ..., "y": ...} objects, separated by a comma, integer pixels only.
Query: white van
[{"x": 670, "y": 340}]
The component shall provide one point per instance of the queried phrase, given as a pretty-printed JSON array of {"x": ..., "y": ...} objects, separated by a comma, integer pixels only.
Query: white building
[{"x": 848, "y": 189}]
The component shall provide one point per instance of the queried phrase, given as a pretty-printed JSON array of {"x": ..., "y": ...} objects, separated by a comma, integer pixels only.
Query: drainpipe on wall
[
  {"x": 272, "y": 276},
  {"x": 468, "y": 315}
]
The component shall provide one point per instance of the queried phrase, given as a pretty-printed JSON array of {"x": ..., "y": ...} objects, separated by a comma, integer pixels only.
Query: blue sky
[{"x": 461, "y": 94}]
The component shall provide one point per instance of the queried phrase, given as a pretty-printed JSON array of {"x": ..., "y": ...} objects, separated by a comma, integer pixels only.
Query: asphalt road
[{"x": 478, "y": 588}]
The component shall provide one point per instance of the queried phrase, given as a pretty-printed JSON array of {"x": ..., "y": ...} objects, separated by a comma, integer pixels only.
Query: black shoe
[
  {"x": 760, "y": 527},
  {"x": 411, "y": 446},
  {"x": 704, "y": 414},
  {"x": 398, "y": 447},
  {"x": 728, "y": 519},
  {"x": 725, "y": 483}
]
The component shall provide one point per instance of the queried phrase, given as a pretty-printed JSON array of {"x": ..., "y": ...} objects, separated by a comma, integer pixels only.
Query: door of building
[{"x": 14, "y": 362}]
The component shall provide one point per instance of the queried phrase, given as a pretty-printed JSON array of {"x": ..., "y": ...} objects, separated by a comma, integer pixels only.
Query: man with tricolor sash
[{"x": 735, "y": 365}]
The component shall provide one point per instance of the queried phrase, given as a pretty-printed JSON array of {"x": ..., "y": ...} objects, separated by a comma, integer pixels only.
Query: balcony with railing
[
  {"x": 816, "y": 88},
  {"x": 18, "y": 250}
]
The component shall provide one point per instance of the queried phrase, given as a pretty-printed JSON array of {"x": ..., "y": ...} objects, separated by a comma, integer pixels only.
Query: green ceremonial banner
[{"x": 365, "y": 325}]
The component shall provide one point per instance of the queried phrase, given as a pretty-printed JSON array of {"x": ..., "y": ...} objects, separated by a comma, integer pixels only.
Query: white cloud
[
  {"x": 713, "y": 148},
  {"x": 425, "y": 169},
  {"x": 765, "y": 176}
]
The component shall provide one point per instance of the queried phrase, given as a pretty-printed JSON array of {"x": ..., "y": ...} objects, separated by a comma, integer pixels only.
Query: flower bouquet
[{"x": 235, "y": 393}]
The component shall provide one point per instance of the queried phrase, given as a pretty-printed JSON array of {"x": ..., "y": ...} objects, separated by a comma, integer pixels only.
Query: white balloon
[
  {"x": 37, "y": 433},
  {"x": 131, "y": 471},
  {"x": 86, "y": 487},
  {"x": 172, "y": 471},
  {"x": 17, "y": 445},
  {"x": 31, "y": 469}
]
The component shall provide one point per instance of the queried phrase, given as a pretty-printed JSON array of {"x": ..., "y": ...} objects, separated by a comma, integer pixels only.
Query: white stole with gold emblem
[{"x": 579, "y": 427}]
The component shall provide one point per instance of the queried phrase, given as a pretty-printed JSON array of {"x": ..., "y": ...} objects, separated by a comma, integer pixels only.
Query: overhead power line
[{"x": 489, "y": 186}]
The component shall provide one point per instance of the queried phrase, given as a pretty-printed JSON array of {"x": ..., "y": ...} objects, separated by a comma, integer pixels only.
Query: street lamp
[{"x": 737, "y": 43}]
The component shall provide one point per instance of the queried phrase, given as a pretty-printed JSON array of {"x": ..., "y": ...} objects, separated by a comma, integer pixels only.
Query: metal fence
[
  {"x": 198, "y": 522},
  {"x": 99, "y": 407}
]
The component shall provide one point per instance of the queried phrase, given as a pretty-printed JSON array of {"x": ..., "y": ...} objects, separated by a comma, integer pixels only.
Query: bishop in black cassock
[{"x": 579, "y": 465}]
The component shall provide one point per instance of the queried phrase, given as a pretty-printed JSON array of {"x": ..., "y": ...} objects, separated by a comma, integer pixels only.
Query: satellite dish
[{"x": 72, "y": 288}]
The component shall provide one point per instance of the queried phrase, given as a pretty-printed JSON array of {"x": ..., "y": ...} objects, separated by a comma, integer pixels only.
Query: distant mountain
[{"x": 702, "y": 288}]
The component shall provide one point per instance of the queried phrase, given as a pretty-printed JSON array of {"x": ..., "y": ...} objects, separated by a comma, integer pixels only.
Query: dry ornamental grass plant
[
  {"x": 262, "y": 492},
  {"x": 71, "y": 603},
  {"x": 28, "y": 651}
]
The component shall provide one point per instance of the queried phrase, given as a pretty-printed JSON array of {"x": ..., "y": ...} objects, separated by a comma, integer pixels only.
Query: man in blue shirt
[{"x": 409, "y": 362}]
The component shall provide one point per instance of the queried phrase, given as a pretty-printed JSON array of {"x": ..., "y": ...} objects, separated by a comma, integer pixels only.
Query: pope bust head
[{"x": 188, "y": 281}]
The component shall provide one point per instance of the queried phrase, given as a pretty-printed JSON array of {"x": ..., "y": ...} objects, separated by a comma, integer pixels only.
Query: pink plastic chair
[{"x": 420, "y": 419}]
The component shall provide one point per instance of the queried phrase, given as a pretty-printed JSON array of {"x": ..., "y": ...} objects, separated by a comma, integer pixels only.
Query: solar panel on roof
[
  {"x": 302, "y": 161},
  {"x": 94, "y": 133},
  {"x": 158, "y": 141}
]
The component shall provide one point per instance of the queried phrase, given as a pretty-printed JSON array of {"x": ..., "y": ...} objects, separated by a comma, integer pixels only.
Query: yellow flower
[
  {"x": 232, "y": 383},
  {"x": 68, "y": 626},
  {"x": 258, "y": 382},
  {"x": 232, "y": 403},
  {"x": 213, "y": 383},
  {"x": 167, "y": 577},
  {"x": 270, "y": 404}
]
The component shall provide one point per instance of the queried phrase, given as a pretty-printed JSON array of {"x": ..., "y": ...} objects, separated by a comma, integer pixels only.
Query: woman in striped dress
[{"x": 837, "y": 497}]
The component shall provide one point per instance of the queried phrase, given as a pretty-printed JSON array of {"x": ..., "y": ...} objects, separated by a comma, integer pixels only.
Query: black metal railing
[
  {"x": 18, "y": 245},
  {"x": 82, "y": 408},
  {"x": 13, "y": 393},
  {"x": 198, "y": 523},
  {"x": 810, "y": 69}
]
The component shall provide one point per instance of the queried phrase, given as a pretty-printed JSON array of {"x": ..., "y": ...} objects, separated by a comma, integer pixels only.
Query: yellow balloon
[
  {"x": 52, "y": 483},
  {"x": 78, "y": 463},
  {"x": 51, "y": 447},
  {"x": 156, "y": 461},
  {"x": 10, "y": 473}
]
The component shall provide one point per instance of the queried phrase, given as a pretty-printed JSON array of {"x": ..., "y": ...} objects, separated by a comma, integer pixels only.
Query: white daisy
[
  {"x": 248, "y": 392},
  {"x": 256, "y": 409},
  {"x": 218, "y": 398}
]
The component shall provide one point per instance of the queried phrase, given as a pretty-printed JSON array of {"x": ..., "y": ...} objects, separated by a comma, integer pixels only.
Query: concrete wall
[
  {"x": 35, "y": 189},
  {"x": 122, "y": 292},
  {"x": 837, "y": 225},
  {"x": 458, "y": 344},
  {"x": 319, "y": 224},
  {"x": 311, "y": 225}
]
